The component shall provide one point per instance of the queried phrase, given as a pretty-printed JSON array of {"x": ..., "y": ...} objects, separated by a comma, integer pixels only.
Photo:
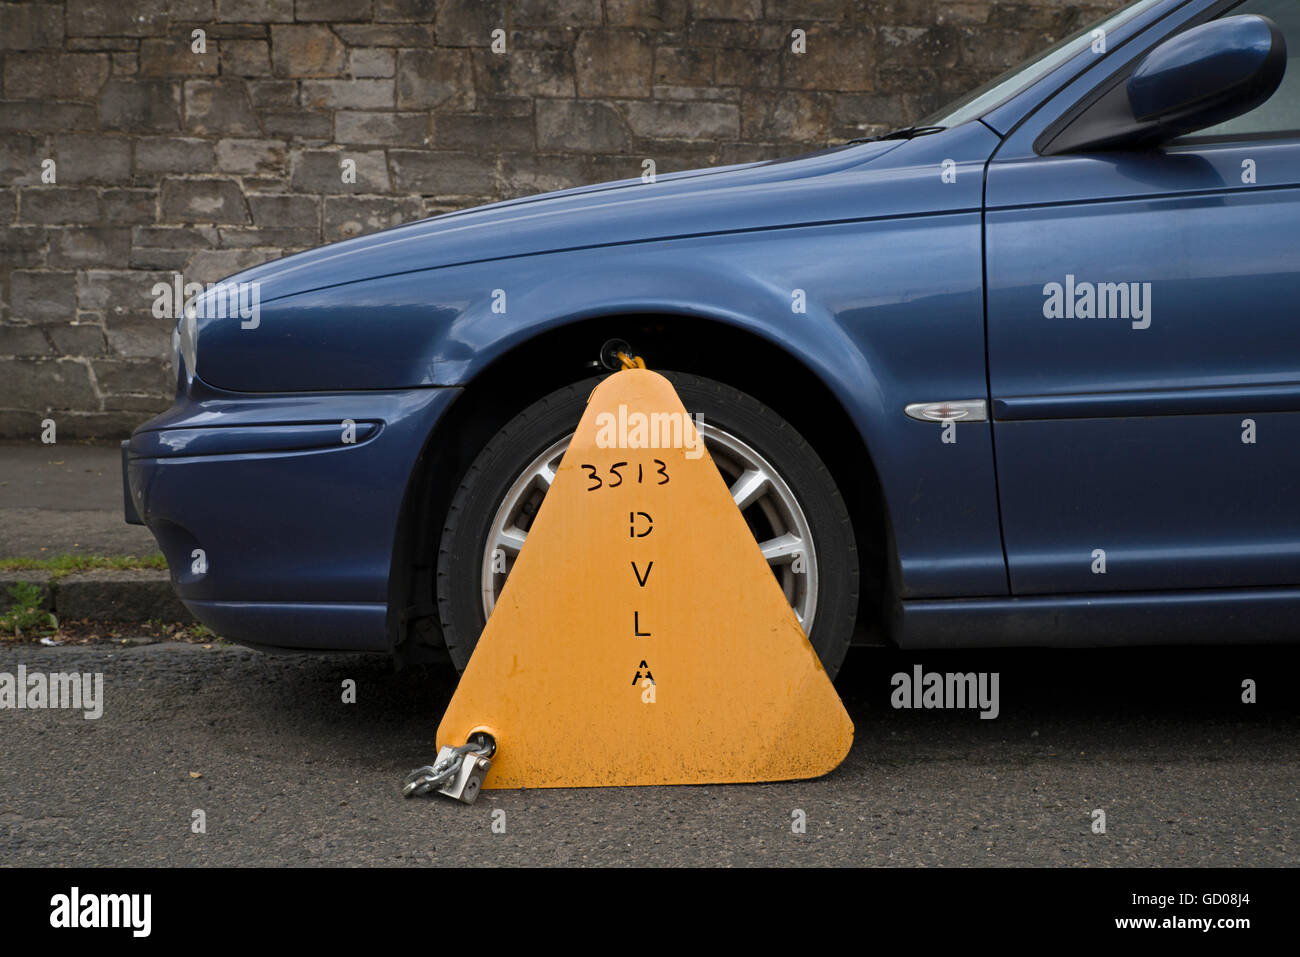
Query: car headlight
[{"x": 185, "y": 338}]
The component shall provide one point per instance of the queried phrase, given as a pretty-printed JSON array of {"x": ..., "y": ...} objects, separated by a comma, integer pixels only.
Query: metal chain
[{"x": 433, "y": 777}]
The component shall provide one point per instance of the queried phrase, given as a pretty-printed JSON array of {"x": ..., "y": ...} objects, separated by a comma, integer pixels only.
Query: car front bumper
[{"x": 278, "y": 515}]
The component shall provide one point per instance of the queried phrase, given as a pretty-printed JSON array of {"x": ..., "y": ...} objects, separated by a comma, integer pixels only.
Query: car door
[{"x": 1143, "y": 312}]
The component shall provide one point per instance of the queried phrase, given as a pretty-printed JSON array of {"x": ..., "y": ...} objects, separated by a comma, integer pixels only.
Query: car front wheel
[{"x": 783, "y": 490}]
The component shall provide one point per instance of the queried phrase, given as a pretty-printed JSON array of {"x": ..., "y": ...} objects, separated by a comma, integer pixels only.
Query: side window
[{"x": 1281, "y": 112}]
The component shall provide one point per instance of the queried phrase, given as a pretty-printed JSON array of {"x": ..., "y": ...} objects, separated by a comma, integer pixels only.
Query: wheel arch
[{"x": 704, "y": 345}]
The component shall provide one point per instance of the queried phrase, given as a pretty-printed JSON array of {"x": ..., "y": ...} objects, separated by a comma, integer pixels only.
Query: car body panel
[
  {"x": 858, "y": 324},
  {"x": 311, "y": 528},
  {"x": 428, "y": 279},
  {"x": 298, "y": 625},
  {"x": 1127, "y": 442},
  {"x": 1192, "y": 617},
  {"x": 749, "y": 196}
]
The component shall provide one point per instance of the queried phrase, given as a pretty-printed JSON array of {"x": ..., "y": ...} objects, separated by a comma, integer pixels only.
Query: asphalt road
[{"x": 1186, "y": 773}]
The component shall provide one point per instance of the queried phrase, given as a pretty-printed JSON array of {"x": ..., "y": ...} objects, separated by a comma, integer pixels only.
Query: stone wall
[{"x": 173, "y": 155}]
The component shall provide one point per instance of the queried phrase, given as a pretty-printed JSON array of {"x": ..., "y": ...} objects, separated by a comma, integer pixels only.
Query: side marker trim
[{"x": 958, "y": 410}]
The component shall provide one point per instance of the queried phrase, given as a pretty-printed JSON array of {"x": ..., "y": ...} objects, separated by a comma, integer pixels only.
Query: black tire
[{"x": 530, "y": 433}]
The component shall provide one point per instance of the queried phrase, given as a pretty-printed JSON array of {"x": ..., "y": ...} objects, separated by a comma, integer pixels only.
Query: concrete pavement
[{"x": 66, "y": 499}]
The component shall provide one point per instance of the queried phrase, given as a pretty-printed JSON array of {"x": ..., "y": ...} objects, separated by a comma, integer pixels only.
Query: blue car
[{"x": 1026, "y": 373}]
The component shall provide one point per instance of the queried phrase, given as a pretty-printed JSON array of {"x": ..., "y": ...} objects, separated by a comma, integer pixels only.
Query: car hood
[
  {"x": 751, "y": 196},
  {"x": 400, "y": 308}
]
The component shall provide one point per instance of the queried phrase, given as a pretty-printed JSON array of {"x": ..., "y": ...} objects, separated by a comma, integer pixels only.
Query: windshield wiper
[{"x": 904, "y": 133}]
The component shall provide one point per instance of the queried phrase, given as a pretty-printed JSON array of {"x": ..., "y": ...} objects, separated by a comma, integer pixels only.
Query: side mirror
[{"x": 1192, "y": 81}]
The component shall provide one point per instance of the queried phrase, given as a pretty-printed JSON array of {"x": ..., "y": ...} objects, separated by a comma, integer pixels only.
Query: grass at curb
[
  {"x": 61, "y": 565},
  {"x": 26, "y": 616},
  {"x": 89, "y": 632}
]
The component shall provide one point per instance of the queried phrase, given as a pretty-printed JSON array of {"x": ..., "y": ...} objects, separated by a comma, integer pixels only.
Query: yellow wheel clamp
[{"x": 641, "y": 637}]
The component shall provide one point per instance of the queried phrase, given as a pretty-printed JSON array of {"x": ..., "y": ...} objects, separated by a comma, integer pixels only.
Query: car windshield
[{"x": 976, "y": 104}]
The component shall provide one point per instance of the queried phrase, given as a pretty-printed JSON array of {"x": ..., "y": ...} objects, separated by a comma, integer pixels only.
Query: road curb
[{"x": 104, "y": 594}]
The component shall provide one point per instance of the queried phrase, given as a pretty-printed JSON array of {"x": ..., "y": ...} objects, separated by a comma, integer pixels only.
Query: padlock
[{"x": 467, "y": 783}]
